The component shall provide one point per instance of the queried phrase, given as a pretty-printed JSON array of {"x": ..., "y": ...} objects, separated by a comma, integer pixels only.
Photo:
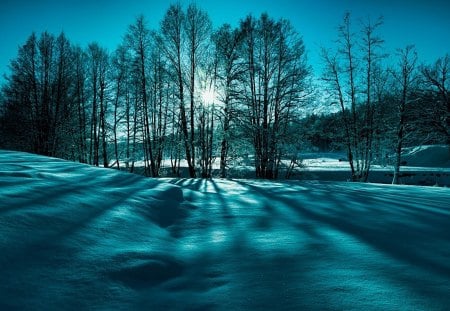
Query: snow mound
[
  {"x": 64, "y": 225},
  {"x": 56, "y": 185},
  {"x": 427, "y": 156}
]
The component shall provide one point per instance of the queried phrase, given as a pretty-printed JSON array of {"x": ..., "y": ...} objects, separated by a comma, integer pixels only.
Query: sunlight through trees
[{"x": 197, "y": 100}]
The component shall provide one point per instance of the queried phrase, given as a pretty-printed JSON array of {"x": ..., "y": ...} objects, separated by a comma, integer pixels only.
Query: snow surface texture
[{"x": 74, "y": 237}]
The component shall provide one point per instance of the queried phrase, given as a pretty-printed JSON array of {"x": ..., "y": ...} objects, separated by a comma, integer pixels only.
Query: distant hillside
[{"x": 427, "y": 156}]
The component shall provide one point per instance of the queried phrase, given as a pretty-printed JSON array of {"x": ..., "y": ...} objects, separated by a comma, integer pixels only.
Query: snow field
[{"x": 76, "y": 237}]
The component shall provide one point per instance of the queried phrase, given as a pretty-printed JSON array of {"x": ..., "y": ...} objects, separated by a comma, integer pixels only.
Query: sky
[{"x": 423, "y": 23}]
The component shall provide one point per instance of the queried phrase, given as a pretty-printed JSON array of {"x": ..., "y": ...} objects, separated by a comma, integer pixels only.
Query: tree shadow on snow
[{"x": 413, "y": 231}]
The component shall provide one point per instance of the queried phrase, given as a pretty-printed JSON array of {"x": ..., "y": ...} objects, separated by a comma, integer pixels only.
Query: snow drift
[{"x": 76, "y": 237}]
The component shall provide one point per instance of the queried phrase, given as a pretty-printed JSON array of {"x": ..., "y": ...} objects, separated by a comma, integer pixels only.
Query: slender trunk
[
  {"x": 81, "y": 118},
  {"x": 224, "y": 143},
  {"x": 211, "y": 139},
  {"x": 192, "y": 103},
  {"x": 398, "y": 155},
  {"x": 128, "y": 122},
  {"x": 93, "y": 136},
  {"x": 400, "y": 135},
  {"x": 103, "y": 124},
  {"x": 149, "y": 148},
  {"x": 184, "y": 124},
  {"x": 133, "y": 150},
  {"x": 116, "y": 145}
]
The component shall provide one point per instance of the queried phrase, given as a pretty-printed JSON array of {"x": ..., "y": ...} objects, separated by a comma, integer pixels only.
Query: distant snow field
[
  {"x": 75, "y": 237},
  {"x": 427, "y": 165},
  {"x": 422, "y": 165}
]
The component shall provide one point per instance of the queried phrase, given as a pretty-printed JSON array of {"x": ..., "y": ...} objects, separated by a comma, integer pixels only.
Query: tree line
[
  {"x": 383, "y": 105},
  {"x": 189, "y": 95},
  {"x": 146, "y": 100}
]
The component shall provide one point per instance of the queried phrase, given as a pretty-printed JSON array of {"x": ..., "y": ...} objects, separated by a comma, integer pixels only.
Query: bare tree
[
  {"x": 80, "y": 64},
  {"x": 103, "y": 106},
  {"x": 230, "y": 71},
  {"x": 171, "y": 41},
  {"x": 197, "y": 27},
  {"x": 62, "y": 126},
  {"x": 405, "y": 77},
  {"x": 332, "y": 76},
  {"x": 97, "y": 62},
  {"x": 370, "y": 44},
  {"x": 341, "y": 73},
  {"x": 437, "y": 80},
  {"x": 40, "y": 93},
  {"x": 120, "y": 71},
  {"x": 22, "y": 96},
  {"x": 160, "y": 103},
  {"x": 46, "y": 49},
  {"x": 138, "y": 40},
  {"x": 277, "y": 74},
  {"x": 207, "y": 117}
]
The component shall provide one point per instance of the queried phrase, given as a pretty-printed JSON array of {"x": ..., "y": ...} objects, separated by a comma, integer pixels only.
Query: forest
[{"x": 190, "y": 99}]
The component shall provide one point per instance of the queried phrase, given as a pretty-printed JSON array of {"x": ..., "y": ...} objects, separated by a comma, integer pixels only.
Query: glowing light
[{"x": 208, "y": 96}]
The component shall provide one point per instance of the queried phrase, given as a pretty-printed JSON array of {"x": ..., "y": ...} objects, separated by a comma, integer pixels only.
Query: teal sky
[{"x": 423, "y": 23}]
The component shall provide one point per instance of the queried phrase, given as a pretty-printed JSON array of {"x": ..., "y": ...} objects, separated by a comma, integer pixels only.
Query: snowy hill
[
  {"x": 75, "y": 237},
  {"x": 427, "y": 156}
]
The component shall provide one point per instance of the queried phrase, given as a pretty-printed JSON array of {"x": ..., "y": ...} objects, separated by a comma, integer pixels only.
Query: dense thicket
[{"x": 189, "y": 95}]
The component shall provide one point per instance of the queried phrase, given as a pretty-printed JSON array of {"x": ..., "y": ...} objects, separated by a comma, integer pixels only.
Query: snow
[
  {"x": 422, "y": 165},
  {"x": 427, "y": 165},
  {"x": 427, "y": 156},
  {"x": 75, "y": 237}
]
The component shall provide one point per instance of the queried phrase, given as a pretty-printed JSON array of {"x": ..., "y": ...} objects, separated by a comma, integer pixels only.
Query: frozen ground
[{"x": 73, "y": 237}]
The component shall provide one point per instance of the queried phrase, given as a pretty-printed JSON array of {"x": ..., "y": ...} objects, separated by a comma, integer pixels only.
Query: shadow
[
  {"x": 419, "y": 237},
  {"x": 215, "y": 212},
  {"x": 56, "y": 208},
  {"x": 266, "y": 246},
  {"x": 227, "y": 215},
  {"x": 148, "y": 272}
]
